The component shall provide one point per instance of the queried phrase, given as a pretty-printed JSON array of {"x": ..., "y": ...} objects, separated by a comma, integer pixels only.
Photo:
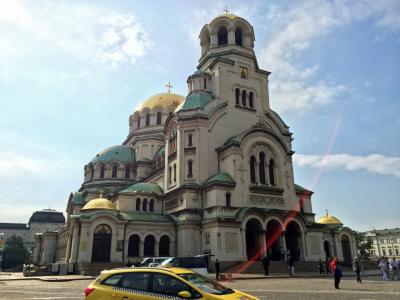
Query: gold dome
[
  {"x": 99, "y": 203},
  {"x": 163, "y": 100},
  {"x": 329, "y": 220}
]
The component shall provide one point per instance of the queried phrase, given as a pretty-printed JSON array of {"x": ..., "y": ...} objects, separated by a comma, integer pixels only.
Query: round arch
[
  {"x": 293, "y": 239},
  {"x": 164, "y": 246},
  {"x": 346, "y": 249},
  {"x": 254, "y": 233},
  {"x": 133, "y": 245},
  {"x": 149, "y": 245},
  {"x": 273, "y": 238},
  {"x": 101, "y": 246},
  {"x": 328, "y": 249}
]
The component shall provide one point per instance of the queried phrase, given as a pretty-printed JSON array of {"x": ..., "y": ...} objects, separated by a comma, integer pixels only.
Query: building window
[
  {"x": 261, "y": 168},
  {"x": 272, "y": 172},
  {"x": 114, "y": 172},
  {"x": 190, "y": 140},
  {"x": 147, "y": 119},
  {"x": 244, "y": 96},
  {"x": 251, "y": 99},
  {"x": 396, "y": 251},
  {"x": 228, "y": 199},
  {"x": 174, "y": 172},
  {"x": 253, "y": 169},
  {"x": 138, "y": 204},
  {"x": 127, "y": 172},
  {"x": 222, "y": 36},
  {"x": 138, "y": 122},
  {"x": 237, "y": 96},
  {"x": 190, "y": 168},
  {"x": 151, "y": 205},
  {"x": 102, "y": 171},
  {"x": 144, "y": 206},
  {"x": 383, "y": 252},
  {"x": 205, "y": 83},
  {"x": 91, "y": 173},
  {"x": 238, "y": 36},
  {"x": 159, "y": 118},
  {"x": 170, "y": 174}
]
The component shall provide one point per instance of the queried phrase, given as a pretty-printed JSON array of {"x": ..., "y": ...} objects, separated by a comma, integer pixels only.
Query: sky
[{"x": 71, "y": 73}]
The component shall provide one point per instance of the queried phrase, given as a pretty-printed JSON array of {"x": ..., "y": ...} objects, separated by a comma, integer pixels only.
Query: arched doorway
[
  {"x": 253, "y": 239},
  {"x": 149, "y": 245},
  {"x": 101, "y": 243},
  {"x": 346, "y": 250},
  {"x": 327, "y": 249},
  {"x": 293, "y": 240},
  {"x": 164, "y": 246},
  {"x": 133, "y": 245},
  {"x": 272, "y": 239}
]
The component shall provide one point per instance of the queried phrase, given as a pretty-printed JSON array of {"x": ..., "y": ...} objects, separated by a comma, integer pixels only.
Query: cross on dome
[
  {"x": 169, "y": 86},
  {"x": 226, "y": 10}
]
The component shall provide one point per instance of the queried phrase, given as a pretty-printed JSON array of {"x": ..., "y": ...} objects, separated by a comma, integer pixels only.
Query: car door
[
  {"x": 133, "y": 286},
  {"x": 164, "y": 286}
]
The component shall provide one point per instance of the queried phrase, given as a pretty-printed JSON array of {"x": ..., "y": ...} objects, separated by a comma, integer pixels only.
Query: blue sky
[{"x": 72, "y": 72}]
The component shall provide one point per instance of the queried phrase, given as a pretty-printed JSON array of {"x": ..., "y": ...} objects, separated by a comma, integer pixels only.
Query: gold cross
[
  {"x": 226, "y": 10},
  {"x": 326, "y": 212},
  {"x": 169, "y": 86}
]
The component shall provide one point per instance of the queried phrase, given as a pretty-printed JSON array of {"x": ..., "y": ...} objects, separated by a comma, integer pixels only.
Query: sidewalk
[{"x": 55, "y": 278}]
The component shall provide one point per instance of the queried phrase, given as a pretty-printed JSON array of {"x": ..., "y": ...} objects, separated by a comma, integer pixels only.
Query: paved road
[{"x": 296, "y": 288}]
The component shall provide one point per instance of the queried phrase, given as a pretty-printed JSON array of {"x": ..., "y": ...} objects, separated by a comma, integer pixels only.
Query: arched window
[
  {"x": 205, "y": 83},
  {"x": 147, "y": 119},
  {"x": 159, "y": 118},
  {"x": 151, "y": 205},
  {"x": 144, "y": 207},
  {"x": 133, "y": 245},
  {"x": 251, "y": 99},
  {"x": 149, "y": 245},
  {"x": 127, "y": 172},
  {"x": 261, "y": 168},
  {"x": 174, "y": 172},
  {"x": 237, "y": 95},
  {"x": 190, "y": 168},
  {"x": 190, "y": 140},
  {"x": 102, "y": 171},
  {"x": 222, "y": 36},
  {"x": 253, "y": 169},
  {"x": 228, "y": 199},
  {"x": 138, "y": 122},
  {"x": 137, "y": 204},
  {"x": 238, "y": 36},
  {"x": 163, "y": 249},
  {"x": 114, "y": 172},
  {"x": 244, "y": 96},
  {"x": 272, "y": 172}
]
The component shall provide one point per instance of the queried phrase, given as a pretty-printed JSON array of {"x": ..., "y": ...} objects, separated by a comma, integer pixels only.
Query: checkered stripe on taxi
[{"x": 144, "y": 293}]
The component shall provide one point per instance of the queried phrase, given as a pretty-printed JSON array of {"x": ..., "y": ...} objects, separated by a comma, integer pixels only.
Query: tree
[
  {"x": 364, "y": 245},
  {"x": 14, "y": 254}
]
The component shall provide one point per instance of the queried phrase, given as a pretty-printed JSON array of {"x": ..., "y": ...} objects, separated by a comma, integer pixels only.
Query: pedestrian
[
  {"x": 327, "y": 265},
  {"x": 265, "y": 263},
  {"x": 333, "y": 264},
  {"x": 290, "y": 263},
  {"x": 282, "y": 253},
  {"x": 321, "y": 270},
  {"x": 383, "y": 266},
  {"x": 357, "y": 268},
  {"x": 395, "y": 268},
  {"x": 337, "y": 274},
  {"x": 129, "y": 264},
  {"x": 217, "y": 269}
]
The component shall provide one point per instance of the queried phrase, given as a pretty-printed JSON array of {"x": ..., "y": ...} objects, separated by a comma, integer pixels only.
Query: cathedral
[{"x": 207, "y": 173}]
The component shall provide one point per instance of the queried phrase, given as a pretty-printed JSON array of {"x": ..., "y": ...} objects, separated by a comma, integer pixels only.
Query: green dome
[
  {"x": 145, "y": 188},
  {"x": 120, "y": 153},
  {"x": 195, "y": 100}
]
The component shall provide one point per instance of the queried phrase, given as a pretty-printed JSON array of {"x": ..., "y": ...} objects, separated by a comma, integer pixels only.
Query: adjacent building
[{"x": 385, "y": 242}]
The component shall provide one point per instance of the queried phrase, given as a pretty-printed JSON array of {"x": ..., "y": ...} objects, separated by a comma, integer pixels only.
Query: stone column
[
  {"x": 75, "y": 244},
  {"x": 69, "y": 243},
  {"x": 141, "y": 248},
  {"x": 283, "y": 244},
  {"x": 49, "y": 247},
  {"x": 231, "y": 37},
  {"x": 157, "y": 248}
]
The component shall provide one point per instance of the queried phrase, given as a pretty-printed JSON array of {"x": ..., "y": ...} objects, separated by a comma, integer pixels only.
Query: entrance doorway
[
  {"x": 101, "y": 244},
  {"x": 327, "y": 249},
  {"x": 272, "y": 240},
  {"x": 149, "y": 245},
  {"x": 293, "y": 240},
  {"x": 346, "y": 250},
  {"x": 253, "y": 239}
]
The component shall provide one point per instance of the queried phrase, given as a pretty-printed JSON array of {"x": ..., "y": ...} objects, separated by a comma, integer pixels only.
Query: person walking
[
  {"x": 265, "y": 263},
  {"x": 321, "y": 270},
  {"x": 290, "y": 263},
  {"x": 395, "y": 268},
  {"x": 333, "y": 265},
  {"x": 217, "y": 269},
  {"x": 357, "y": 268},
  {"x": 383, "y": 266},
  {"x": 337, "y": 274}
]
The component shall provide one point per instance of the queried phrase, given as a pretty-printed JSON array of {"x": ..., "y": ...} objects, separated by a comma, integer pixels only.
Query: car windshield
[{"x": 206, "y": 284}]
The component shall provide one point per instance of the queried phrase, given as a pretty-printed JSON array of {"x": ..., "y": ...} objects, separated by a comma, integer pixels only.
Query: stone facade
[
  {"x": 385, "y": 242},
  {"x": 209, "y": 173}
]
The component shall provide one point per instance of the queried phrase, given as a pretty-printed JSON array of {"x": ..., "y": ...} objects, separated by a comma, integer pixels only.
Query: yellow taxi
[{"x": 159, "y": 283}]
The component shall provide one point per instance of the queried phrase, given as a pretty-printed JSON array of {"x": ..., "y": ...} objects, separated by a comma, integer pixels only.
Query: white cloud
[
  {"x": 374, "y": 163},
  {"x": 294, "y": 29}
]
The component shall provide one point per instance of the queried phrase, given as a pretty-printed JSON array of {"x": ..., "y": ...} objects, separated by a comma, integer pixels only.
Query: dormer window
[{"x": 222, "y": 36}]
